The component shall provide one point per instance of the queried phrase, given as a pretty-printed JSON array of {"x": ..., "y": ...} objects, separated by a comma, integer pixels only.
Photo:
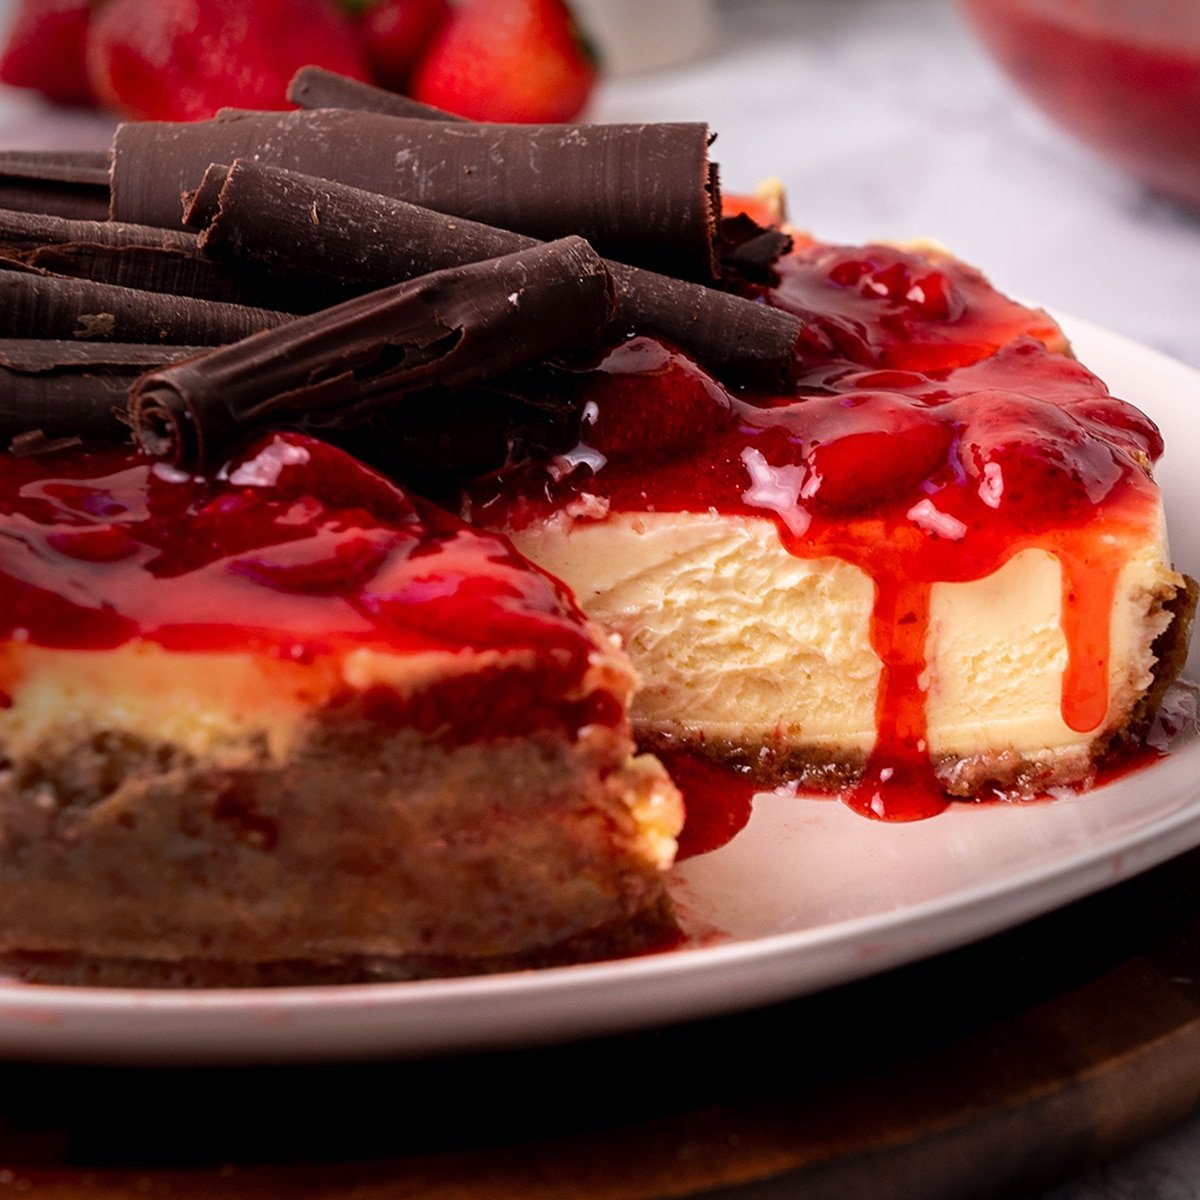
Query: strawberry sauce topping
[
  {"x": 883, "y": 306},
  {"x": 931, "y": 437},
  {"x": 294, "y": 551}
]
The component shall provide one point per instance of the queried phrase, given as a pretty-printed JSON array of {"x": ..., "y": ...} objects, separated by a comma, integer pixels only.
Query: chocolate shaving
[
  {"x": 639, "y": 193},
  {"x": 750, "y": 252},
  {"x": 134, "y": 256},
  {"x": 29, "y": 232},
  {"x": 56, "y": 199},
  {"x": 315, "y": 87},
  {"x": 57, "y": 182},
  {"x": 740, "y": 341},
  {"x": 355, "y": 241},
  {"x": 201, "y": 205},
  {"x": 32, "y": 306},
  {"x": 54, "y": 392},
  {"x": 333, "y": 368},
  {"x": 351, "y": 241},
  {"x": 35, "y": 441},
  {"x": 16, "y": 264}
]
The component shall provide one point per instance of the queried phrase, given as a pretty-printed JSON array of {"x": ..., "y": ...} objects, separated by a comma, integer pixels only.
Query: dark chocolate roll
[
  {"x": 335, "y": 367},
  {"x": 316, "y": 87},
  {"x": 351, "y": 241},
  {"x": 34, "y": 306},
  {"x": 62, "y": 166},
  {"x": 644, "y": 194},
  {"x": 56, "y": 390},
  {"x": 133, "y": 256},
  {"x": 66, "y": 183}
]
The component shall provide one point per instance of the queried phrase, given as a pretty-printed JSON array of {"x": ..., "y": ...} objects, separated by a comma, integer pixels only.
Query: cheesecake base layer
[{"x": 649, "y": 930}]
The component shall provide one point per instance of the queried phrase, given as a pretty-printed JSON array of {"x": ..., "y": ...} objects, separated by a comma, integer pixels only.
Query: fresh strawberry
[
  {"x": 508, "y": 60},
  {"x": 181, "y": 60},
  {"x": 395, "y": 33},
  {"x": 45, "y": 50}
]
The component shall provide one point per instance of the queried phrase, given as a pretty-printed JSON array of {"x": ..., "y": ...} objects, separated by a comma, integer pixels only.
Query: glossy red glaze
[
  {"x": 294, "y": 551},
  {"x": 931, "y": 436},
  {"x": 716, "y": 799},
  {"x": 883, "y": 306}
]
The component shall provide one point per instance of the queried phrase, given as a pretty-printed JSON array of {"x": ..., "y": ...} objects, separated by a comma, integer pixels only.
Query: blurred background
[{"x": 882, "y": 118}]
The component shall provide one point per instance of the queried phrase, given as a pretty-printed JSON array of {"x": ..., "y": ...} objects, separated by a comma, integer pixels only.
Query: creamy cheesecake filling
[
  {"x": 997, "y": 653},
  {"x": 740, "y": 640},
  {"x": 202, "y": 702},
  {"x": 733, "y": 637},
  {"x": 144, "y": 691}
]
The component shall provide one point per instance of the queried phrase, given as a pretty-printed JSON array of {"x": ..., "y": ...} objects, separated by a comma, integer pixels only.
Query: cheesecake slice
[
  {"x": 935, "y": 566},
  {"x": 286, "y": 724}
]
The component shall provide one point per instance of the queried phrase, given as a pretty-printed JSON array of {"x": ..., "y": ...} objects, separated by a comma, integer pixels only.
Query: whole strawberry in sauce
[
  {"x": 508, "y": 60},
  {"x": 650, "y": 401},
  {"x": 182, "y": 60}
]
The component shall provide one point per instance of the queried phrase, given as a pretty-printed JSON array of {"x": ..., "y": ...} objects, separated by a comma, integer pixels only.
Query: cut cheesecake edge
[
  {"x": 761, "y": 659},
  {"x": 401, "y": 793}
]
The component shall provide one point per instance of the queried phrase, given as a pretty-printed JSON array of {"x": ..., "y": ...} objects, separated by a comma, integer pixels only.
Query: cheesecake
[
  {"x": 934, "y": 566},
  {"x": 834, "y": 518},
  {"x": 283, "y": 723}
]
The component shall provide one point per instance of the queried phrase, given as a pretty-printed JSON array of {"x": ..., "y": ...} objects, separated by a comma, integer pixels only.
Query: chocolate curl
[
  {"x": 201, "y": 205},
  {"x": 63, "y": 166},
  {"x": 67, "y": 183},
  {"x": 133, "y": 256},
  {"x": 639, "y": 193},
  {"x": 334, "y": 367},
  {"x": 24, "y": 233},
  {"x": 740, "y": 341},
  {"x": 54, "y": 390},
  {"x": 316, "y": 87},
  {"x": 32, "y": 306},
  {"x": 351, "y": 241}
]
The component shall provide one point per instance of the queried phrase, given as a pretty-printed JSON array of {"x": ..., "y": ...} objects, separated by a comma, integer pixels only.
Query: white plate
[{"x": 807, "y": 896}]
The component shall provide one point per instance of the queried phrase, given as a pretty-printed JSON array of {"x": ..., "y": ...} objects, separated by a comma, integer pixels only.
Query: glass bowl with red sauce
[{"x": 1123, "y": 75}]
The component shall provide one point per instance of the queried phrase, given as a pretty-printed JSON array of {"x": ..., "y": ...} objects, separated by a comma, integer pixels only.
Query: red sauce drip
[
  {"x": 1128, "y": 84},
  {"x": 932, "y": 436},
  {"x": 1089, "y": 586},
  {"x": 293, "y": 551},
  {"x": 716, "y": 800},
  {"x": 898, "y": 783}
]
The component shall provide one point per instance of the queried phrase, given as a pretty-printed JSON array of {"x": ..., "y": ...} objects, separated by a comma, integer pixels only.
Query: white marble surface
[{"x": 883, "y": 118}]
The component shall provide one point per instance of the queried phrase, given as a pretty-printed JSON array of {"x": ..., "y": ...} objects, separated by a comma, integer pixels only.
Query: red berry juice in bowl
[{"x": 1123, "y": 75}]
